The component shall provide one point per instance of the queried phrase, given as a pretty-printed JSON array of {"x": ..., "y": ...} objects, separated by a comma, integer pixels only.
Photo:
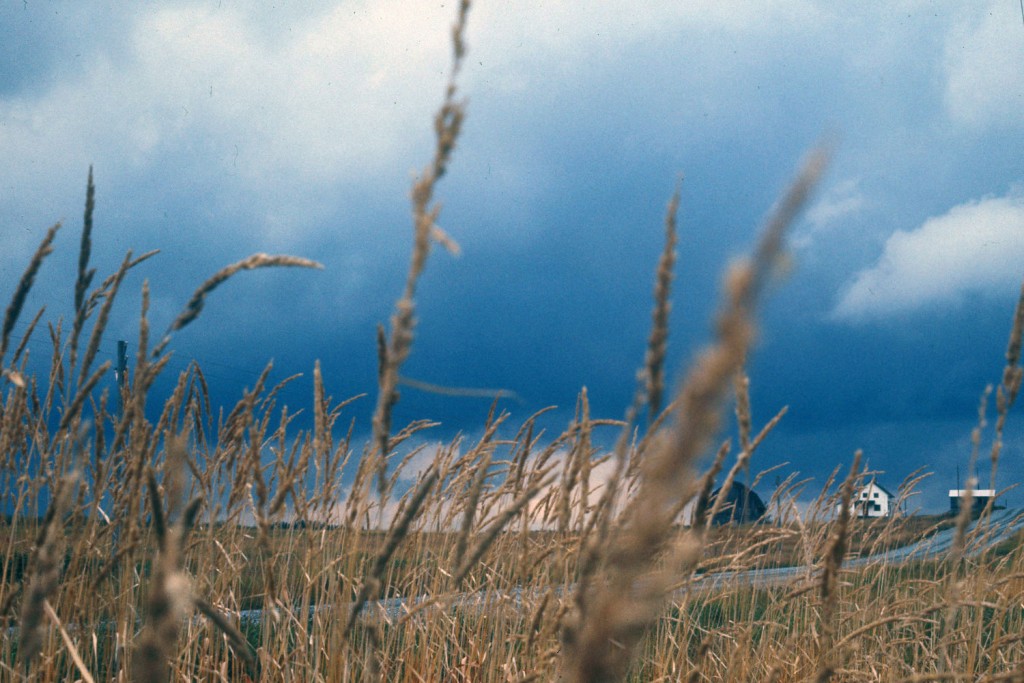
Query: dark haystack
[{"x": 741, "y": 506}]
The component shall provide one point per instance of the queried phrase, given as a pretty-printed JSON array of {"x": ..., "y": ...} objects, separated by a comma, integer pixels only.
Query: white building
[
  {"x": 979, "y": 499},
  {"x": 874, "y": 500}
]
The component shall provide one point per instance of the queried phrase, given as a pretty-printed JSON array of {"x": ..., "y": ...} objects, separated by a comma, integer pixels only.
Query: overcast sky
[{"x": 219, "y": 128}]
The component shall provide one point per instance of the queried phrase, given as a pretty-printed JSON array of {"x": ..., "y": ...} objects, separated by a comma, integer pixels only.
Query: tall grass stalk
[{"x": 172, "y": 540}]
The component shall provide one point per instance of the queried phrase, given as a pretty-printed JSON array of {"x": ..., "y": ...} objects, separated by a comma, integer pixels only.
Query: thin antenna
[{"x": 1022, "y": 11}]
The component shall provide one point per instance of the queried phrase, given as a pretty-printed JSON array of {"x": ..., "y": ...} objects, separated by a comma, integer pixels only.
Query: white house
[
  {"x": 979, "y": 499},
  {"x": 873, "y": 500}
]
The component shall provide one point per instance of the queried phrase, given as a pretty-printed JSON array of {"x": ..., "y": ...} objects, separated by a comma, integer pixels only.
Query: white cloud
[
  {"x": 332, "y": 94},
  {"x": 570, "y": 28},
  {"x": 221, "y": 100},
  {"x": 842, "y": 200},
  {"x": 275, "y": 111},
  {"x": 977, "y": 247},
  {"x": 984, "y": 78},
  {"x": 530, "y": 45}
]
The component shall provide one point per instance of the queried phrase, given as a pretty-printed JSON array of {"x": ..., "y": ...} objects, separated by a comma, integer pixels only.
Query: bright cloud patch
[
  {"x": 843, "y": 200},
  {"x": 975, "y": 247},
  {"x": 222, "y": 100},
  {"x": 984, "y": 79}
]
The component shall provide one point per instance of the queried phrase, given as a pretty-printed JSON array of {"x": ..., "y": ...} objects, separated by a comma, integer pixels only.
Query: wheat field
[{"x": 231, "y": 546}]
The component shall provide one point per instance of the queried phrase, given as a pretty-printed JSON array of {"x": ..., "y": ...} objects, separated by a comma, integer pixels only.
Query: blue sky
[{"x": 219, "y": 129}]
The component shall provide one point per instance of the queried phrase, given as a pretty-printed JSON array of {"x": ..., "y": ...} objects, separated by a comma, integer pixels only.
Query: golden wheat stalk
[
  {"x": 104, "y": 315},
  {"x": 599, "y": 641},
  {"x": 46, "y": 569},
  {"x": 829, "y": 586},
  {"x": 170, "y": 597},
  {"x": 657, "y": 345},
  {"x": 85, "y": 274},
  {"x": 1006, "y": 393},
  {"x": 239, "y": 645},
  {"x": 393, "y": 349},
  {"x": 76, "y": 656},
  {"x": 195, "y": 305},
  {"x": 372, "y": 583},
  {"x": 24, "y": 286}
]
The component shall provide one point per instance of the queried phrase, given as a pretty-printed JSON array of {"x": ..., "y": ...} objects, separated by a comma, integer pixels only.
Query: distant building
[
  {"x": 979, "y": 499},
  {"x": 873, "y": 500},
  {"x": 741, "y": 506}
]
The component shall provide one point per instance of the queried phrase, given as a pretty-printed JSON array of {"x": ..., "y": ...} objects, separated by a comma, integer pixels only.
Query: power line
[{"x": 471, "y": 392}]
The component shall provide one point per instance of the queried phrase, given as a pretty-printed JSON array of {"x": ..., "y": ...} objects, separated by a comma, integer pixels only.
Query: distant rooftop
[{"x": 976, "y": 493}]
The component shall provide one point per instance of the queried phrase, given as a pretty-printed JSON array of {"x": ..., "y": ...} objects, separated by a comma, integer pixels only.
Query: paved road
[{"x": 981, "y": 534}]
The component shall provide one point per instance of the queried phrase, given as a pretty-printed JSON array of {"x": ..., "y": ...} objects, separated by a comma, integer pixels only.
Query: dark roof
[
  {"x": 883, "y": 489},
  {"x": 741, "y": 506}
]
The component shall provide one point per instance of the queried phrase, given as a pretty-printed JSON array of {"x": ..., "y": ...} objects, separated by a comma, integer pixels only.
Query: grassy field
[{"x": 163, "y": 523}]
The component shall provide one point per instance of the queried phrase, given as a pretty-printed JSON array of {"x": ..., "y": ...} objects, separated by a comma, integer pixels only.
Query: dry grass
[{"x": 239, "y": 548}]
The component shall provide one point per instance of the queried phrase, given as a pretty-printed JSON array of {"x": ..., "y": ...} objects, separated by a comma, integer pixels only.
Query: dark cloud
[{"x": 557, "y": 194}]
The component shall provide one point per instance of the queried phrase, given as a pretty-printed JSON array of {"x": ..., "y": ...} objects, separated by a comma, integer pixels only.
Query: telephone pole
[{"x": 121, "y": 374}]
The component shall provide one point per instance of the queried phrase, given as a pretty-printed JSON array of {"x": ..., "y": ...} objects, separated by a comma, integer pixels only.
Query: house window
[{"x": 874, "y": 495}]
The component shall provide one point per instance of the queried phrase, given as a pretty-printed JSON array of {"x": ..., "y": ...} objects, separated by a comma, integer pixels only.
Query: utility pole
[{"x": 121, "y": 374}]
